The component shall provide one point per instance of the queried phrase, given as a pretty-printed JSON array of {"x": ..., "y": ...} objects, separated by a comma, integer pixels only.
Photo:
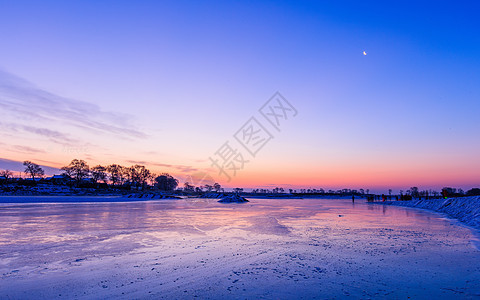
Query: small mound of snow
[{"x": 232, "y": 198}]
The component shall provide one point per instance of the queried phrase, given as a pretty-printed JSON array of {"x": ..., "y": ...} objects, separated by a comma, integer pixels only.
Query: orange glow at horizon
[{"x": 332, "y": 175}]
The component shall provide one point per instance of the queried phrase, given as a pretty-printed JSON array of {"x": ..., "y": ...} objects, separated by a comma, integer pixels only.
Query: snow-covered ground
[
  {"x": 289, "y": 248},
  {"x": 68, "y": 199},
  {"x": 464, "y": 209}
]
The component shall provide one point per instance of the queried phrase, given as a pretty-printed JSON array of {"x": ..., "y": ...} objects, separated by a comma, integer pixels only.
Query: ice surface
[{"x": 265, "y": 248}]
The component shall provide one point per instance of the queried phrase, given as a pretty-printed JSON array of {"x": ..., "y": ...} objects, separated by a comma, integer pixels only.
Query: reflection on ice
[{"x": 210, "y": 249}]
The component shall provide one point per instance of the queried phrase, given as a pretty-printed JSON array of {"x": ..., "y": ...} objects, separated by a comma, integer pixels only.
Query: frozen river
[{"x": 301, "y": 248}]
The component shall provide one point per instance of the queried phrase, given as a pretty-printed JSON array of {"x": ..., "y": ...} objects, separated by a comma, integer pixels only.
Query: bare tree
[
  {"x": 33, "y": 169},
  {"x": 166, "y": 182},
  {"x": 77, "y": 169},
  {"x": 413, "y": 191},
  {"x": 124, "y": 174},
  {"x": 115, "y": 173},
  {"x": 129, "y": 175},
  {"x": 187, "y": 187},
  {"x": 139, "y": 175},
  {"x": 238, "y": 190},
  {"x": 7, "y": 174},
  {"x": 99, "y": 173},
  {"x": 208, "y": 187}
]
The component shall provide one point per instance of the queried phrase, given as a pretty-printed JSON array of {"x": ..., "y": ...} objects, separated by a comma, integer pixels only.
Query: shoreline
[{"x": 137, "y": 197}]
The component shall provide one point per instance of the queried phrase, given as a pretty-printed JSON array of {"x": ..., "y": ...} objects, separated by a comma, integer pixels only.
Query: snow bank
[{"x": 464, "y": 209}]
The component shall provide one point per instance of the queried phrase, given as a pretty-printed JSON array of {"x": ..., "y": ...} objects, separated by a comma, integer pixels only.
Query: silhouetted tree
[
  {"x": 187, "y": 187},
  {"x": 33, "y": 169},
  {"x": 98, "y": 173},
  {"x": 115, "y": 173},
  {"x": 139, "y": 175},
  {"x": 124, "y": 175},
  {"x": 7, "y": 174},
  {"x": 166, "y": 182},
  {"x": 217, "y": 187},
  {"x": 238, "y": 190},
  {"x": 434, "y": 193},
  {"x": 448, "y": 191},
  {"x": 152, "y": 178},
  {"x": 413, "y": 191},
  {"x": 77, "y": 169},
  {"x": 473, "y": 192}
]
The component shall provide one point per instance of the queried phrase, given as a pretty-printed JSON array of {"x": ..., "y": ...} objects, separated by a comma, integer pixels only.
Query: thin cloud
[
  {"x": 28, "y": 149},
  {"x": 29, "y": 103},
  {"x": 17, "y": 166},
  {"x": 137, "y": 162},
  {"x": 163, "y": 165},
  {"x": 52, "y": 135},
  {"x": 180, "y": 168}
]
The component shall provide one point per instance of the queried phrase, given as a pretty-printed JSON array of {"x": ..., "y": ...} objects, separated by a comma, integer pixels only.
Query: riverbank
[
  {"x": 464, "y": 209},
  {"x": 140, "y": 196}
]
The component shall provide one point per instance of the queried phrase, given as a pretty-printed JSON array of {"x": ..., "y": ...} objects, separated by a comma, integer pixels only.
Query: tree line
[
  {"x": 78, "y": 171},
  {"x": 80, "y": 174}
]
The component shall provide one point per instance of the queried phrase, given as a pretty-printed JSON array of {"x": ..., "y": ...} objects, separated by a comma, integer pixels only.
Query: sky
[{"x": 167, "y": 84}]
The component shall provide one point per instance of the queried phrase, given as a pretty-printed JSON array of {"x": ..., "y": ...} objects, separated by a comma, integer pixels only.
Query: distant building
[
  {"x": 30, "y": 179},
  {"x": 59, "y": 179}
]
